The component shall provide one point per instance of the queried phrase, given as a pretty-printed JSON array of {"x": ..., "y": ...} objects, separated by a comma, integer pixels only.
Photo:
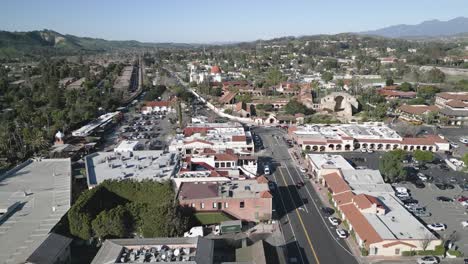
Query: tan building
[{"x": 453, "y": 106}]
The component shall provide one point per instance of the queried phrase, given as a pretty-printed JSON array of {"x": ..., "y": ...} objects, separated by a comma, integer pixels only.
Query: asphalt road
[{"x": 309, "y": 237}]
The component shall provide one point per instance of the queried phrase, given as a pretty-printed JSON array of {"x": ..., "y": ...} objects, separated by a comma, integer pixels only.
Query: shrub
[
  {"x": 408, "y": 253},
  {"x": 364, "y": 252},
  {"x": 455, "y": 253}
]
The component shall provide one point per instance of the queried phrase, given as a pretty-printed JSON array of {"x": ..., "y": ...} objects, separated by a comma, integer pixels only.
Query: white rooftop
[
  {"x": 126, "y": 145},
  {"x": 138, "y": 165},
  {"x": 358, "y": 131},
  {"x": 39, "y": 186},
  {"x": 87, "y": 129},
  {"x": 328, "y": 161},
  {"x": 397, "y": 223}
]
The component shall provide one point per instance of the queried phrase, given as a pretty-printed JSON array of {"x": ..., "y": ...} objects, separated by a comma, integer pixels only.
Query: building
[
  {"x": 378, "y": 219},
  {"x": 453, "y": 106},
  {"x": 416, "y": 113},
  {"x": 216, "y": 136},
  {"x": 99, "y": 122},
  {"x": 54, "y": 250},
  {"x": 137, "y": 165},
  {"x": 354, "y": 137},
  {"x": 34, "y": 196},
  {"x": 156, "y": 107},
  {"x": 395, "y": 94},
  {"x": 127, "y": 146},
  {"x": 126, "y": 79},
  {"x": 78, "y": 84},
  {"x": 190, "y": 250},
  {"x": 248, "y": 200}
]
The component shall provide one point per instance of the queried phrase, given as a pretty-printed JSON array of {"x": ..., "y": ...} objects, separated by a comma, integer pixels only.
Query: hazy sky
[{"x": 220, "y": 20}]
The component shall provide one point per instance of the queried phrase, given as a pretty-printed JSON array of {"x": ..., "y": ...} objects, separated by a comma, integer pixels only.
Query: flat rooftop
[
  {"x": 39, "y": 186},
  {"x": 190, "y": 250},
  {"x": 397, "y": 223},
  {"x": 329, "y": 161},
  {"x": 358, "y": 131},
  {"x": 231, "y": 189},
  {"x": 139, "y": 165}
]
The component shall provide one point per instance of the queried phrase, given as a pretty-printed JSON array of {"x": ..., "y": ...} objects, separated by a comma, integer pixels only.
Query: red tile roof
[
  {"x": 265, "y": 194},
  {"x": 343, "y": 198},
  {"x": 215, "y": 69},
  {"x": 239, "y": 138},
  {"x": 364, "y": 201},
  {"x": 188, "y": 131},
  {"x": 427, "y": 140},
  {"x": 418, "y": 109},
  {"x": 336, "y": 183},
  {"x": 227, "y": 97},
  {"x": 225, "y": 157},
  {"x": 393, "y": 93},
  {"x": 199, "y": 141},
  {"x": 360, "y": 224},
  {"x": 262, "y": 179},
  {"x": 454, "y": 96},
  {"x": 457, "y": 104}
]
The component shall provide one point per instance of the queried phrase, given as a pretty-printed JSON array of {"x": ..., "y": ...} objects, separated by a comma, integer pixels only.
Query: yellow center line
[{"x": 302, "y": 222}]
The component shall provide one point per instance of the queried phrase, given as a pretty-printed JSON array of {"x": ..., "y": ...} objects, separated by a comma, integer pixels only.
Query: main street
[{"x": 309, "y": 237}]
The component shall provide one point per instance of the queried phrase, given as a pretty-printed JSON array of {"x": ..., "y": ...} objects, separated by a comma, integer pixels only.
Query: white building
[{"x": 355, "y": 137}]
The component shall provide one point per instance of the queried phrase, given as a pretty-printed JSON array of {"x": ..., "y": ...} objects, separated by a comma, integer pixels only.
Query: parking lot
[{"x": 448, "y": 213}]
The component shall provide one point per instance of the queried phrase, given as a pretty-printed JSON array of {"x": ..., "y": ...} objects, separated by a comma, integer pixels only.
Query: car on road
[
  {"x": 341, "y": 233},
  {"x": 428, "y": 260},
  {"x": 437, "y": 227},
  {"x": 464, "y": 140},
  {"x": 334, "y": 221},
  {"x": 444, "y": 199},
  {"x": 464, "y": 223},
  {"x": 303, "y": 170},
  {"x": 271, "y": 185},
  {"x": 328, "y": 211}
]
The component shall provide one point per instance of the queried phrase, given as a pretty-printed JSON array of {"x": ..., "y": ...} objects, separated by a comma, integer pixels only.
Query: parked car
[
  {"x": 464, "y": 223},
  {"x": 303, "y": 170},
  {"x": 402, "y": 195},
  {"x": 334, "y": 221},
  {"x": 428, "y": 260},
  {"x": 422, "y": 176},
  {"x": 410, "y": 201},
  {"x": 328, "y": 211},
  {"x": 437, "y": 226},
  {"x": 444, "y": 199},
  {"x": 441, "y": 186},
  {"x": 419, "y": 184},
  {"x": 422, "y": 213},
  {"x": 341, "y": 233}
]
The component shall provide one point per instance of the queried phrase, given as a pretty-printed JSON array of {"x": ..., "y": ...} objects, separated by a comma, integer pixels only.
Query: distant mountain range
[
  {"x": 51, "y": 42},
  {"x": 430, "y": 28}
]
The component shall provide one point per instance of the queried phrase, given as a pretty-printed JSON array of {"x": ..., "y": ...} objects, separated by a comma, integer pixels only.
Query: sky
[{"x": 208, "y": 21}]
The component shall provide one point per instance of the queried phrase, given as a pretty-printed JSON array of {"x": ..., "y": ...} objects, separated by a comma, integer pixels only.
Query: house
[
  {"x": 247, "y": 200},
  {"x": 416, "y": 112},
  {"x": 395, "y": 94},
  {"x": 453, "y": 106}
]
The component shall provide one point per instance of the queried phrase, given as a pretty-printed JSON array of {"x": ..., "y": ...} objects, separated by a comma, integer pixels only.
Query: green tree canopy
[
  {"x": 390, "y": 165},
  {"x": 112, "y": 223},
  {"x": 293, "y": 107},
  {"x": 406, "y": 87},
  {"x": 327, "y": 76},
  {"x": 423, "y": 156}
]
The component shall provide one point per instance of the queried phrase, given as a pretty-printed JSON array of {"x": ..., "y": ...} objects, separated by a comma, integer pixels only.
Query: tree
[
  {"x": 293, "y": 107},
  {"x": 111, "y": 223},
  {"x": 428, "y": 237},
  {"x": 465, "y": 160},
  {"x": 423, "y": 156},
  {"x": 417, "y": 101},
  {"x": 390, "y": 165},
  {"x": 389, "y": 82},
  {"x": 327, "y": 76},
  {"x": 427, "y": 92},
  {"x": 435, "y": 76},
  {"x": 406, "y": 87}
]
